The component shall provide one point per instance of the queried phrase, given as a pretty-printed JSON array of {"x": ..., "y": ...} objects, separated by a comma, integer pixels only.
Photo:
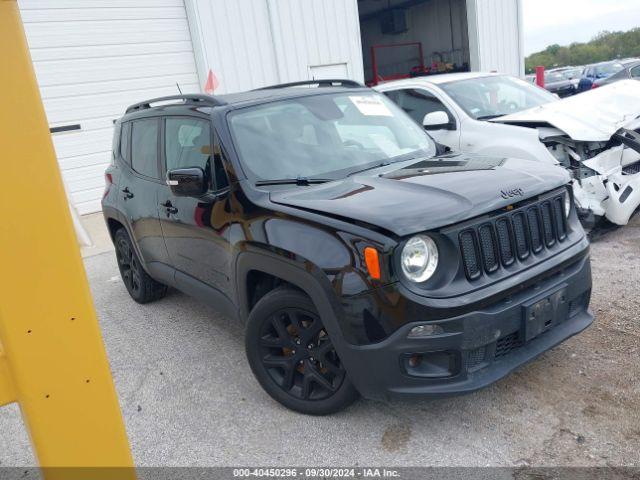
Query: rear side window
[
  {"x": 125, "y": 142},
  {"x": 144, "y": 147}
]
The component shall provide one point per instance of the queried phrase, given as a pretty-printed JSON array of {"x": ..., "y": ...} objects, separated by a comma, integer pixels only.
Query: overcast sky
[{"x": 564, "y": 21}]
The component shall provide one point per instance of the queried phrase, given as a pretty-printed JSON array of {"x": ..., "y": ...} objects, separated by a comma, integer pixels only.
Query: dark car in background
[
  {"x": 573, "y": 74},
  {"x": 555, "y": 82},
  {"x": 631, "y": 71},
  {"x": 595, "y": 75}
]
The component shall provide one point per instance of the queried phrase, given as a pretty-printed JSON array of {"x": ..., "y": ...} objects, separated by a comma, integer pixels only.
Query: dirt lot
[
  {"x": 188, "y": 396},
  {"x": 593, "y": 380}
]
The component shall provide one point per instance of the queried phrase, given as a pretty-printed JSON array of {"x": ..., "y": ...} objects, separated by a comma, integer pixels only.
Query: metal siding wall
[
  {"x": 92, "y": 59},
  {"x": 499, "y": 36},
  {"x": 234, "y": 40},
  {"x": 253, "y": 43},
  {"x": 312, "y": 33}
]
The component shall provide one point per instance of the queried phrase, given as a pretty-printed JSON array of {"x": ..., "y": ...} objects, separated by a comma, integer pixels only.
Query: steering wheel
[
  {"x": 353, "y": 143},
  {"x": 512, "y": 106}
]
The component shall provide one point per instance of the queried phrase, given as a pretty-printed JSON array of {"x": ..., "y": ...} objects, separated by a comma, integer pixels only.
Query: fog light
[
  {"x": 432, "y": 364},
  {"x": 425, "y": 331},
  {"x": 415, "y": 360}
]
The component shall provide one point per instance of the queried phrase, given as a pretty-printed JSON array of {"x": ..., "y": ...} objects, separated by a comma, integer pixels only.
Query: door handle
[
  {"x": 127, "y": 193},
  {"x": 169, "y": 207}
]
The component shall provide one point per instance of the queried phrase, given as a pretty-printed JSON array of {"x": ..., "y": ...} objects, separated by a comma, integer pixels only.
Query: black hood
[{"x": 413, "y": 197}]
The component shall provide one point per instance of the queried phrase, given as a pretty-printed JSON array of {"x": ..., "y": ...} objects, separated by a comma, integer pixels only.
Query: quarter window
[
  {"x": 125, "y": 141},
  {"x": 144, "y": 147},
  {"x": 635, "y": 72}
]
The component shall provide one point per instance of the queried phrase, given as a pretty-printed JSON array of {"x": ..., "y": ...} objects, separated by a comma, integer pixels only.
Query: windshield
[
  {"x": 490, "y": 97},
  {"x": 325, "y": 136},
  {"x": 608, "y": 69},
  {"x": 554, "y": 77},
  {"x": 573, "y": 73}
]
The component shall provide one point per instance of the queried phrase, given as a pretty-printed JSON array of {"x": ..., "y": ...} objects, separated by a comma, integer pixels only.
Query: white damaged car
[{"x": 595, "y": 134}]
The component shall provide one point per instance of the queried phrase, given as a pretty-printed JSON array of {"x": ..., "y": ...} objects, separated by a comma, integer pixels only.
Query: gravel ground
[{"x": 188, "y": 396}]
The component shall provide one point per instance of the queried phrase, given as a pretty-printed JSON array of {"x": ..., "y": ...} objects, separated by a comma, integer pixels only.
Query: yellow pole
[{"x": 52, "y": 359}]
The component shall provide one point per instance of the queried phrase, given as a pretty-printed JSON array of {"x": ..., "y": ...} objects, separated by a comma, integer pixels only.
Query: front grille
[
  {"x": 514, "y": 235},
  {"x": 475, "y": 357},
  {"x": 505, "y": 345},
  {"x": 522, "y": 240},
  {"x": 505, "y": 241},
  {"x": 631, "y": 169},
  {"x": 579, "y": 304},
  {"x": 488, "y": 248},
  {"x": 470, "y": 254},
  {"x": 548, "y": 224},
  {"x": 533, "y": 217}
]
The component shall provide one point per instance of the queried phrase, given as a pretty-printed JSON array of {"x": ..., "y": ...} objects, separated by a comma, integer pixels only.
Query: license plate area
[{"x": 544, "y": 312}]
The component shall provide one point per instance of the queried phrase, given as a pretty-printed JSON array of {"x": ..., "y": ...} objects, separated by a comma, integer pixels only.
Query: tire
[
  {"x": 292, "y": 356},
  {"x": 141, "y": 287}
]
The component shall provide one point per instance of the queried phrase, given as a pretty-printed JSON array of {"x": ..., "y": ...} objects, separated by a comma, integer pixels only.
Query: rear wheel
[
  {"x": 141, "y": 287},
  {"x": 293, "y": 357}
]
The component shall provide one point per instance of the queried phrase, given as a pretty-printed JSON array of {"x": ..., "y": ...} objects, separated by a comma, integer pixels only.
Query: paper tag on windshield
[{"x": 371, "y": 105}]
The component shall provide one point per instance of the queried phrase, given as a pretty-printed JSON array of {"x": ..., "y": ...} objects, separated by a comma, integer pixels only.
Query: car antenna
[{"x": 180, "y": 90}]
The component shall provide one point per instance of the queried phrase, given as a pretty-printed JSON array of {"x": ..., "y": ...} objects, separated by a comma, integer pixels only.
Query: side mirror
[
  {"x": 186, "y": 182},
  {"x": 437, "y": 121}
]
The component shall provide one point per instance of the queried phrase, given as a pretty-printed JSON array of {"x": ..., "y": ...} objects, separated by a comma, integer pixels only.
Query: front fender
[
  {"x": 304, "y": 275},
  {"x": 503, "y": 140}
]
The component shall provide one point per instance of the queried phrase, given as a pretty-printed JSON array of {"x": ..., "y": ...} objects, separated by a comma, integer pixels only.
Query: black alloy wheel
[
  {"x": 141, "y": 287},
  {"x": 293, "y": 357},
  {"x": 128, "y": 265},
  {"x": 298, "y": 354}
]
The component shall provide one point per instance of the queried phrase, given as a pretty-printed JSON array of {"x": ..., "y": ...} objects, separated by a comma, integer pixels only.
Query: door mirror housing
[
  {"x": 186, "y": 182},
  {"x": 437, "y": 121}
]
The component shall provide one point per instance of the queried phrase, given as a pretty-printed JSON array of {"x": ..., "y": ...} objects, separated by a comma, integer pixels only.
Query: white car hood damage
[
  {"x": 592, "y": 116},
  {"x": 603, "y": 153}
]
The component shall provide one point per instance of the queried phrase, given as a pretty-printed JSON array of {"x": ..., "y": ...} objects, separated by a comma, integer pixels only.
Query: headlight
[
  {"x": 567, "y": 204},
  {"x": 419, "y": 258}
]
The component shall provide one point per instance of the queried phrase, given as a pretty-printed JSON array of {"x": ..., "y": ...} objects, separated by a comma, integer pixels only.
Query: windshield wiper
[
  {"x": 489, "y": 117},
  {"x": 371, "y": 167},
  {"x": 405, "y": 157},
  {"x": 302, "y": 181}
]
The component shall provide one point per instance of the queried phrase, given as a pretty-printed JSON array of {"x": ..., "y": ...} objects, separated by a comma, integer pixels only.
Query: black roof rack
[
  {"x": 319, "y": 83},
  {"x": 189, "y": 99}
]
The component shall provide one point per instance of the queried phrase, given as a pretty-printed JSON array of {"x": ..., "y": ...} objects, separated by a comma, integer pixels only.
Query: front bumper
[{"x": 472, "y": 350}]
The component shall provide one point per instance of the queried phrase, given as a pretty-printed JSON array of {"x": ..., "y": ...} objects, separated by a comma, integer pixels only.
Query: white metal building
[{"x": 93, "y": 58}]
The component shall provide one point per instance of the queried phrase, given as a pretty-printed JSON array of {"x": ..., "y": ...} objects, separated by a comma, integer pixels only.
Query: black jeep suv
[{"x": 362, "y": 258}]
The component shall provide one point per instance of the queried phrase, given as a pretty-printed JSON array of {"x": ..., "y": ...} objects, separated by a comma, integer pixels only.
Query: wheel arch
[
  {"x": 116, "y": 220},
  {"x": 299, "y": 274}
]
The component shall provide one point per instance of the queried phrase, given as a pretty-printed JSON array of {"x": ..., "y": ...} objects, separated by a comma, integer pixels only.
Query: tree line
[{"x": 604, "y": 46}]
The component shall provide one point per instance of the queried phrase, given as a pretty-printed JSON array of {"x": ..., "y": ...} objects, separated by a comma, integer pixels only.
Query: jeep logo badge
[{"x": 514, "y": 192}]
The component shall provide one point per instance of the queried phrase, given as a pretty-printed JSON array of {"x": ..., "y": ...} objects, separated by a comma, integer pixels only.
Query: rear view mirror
[
  {"x": 186, "y": 182},
  {"x": 437, "y": 121}
]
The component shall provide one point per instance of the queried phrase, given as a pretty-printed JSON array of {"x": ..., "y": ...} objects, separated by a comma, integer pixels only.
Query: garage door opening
[{"x": 408, "y": 38}]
